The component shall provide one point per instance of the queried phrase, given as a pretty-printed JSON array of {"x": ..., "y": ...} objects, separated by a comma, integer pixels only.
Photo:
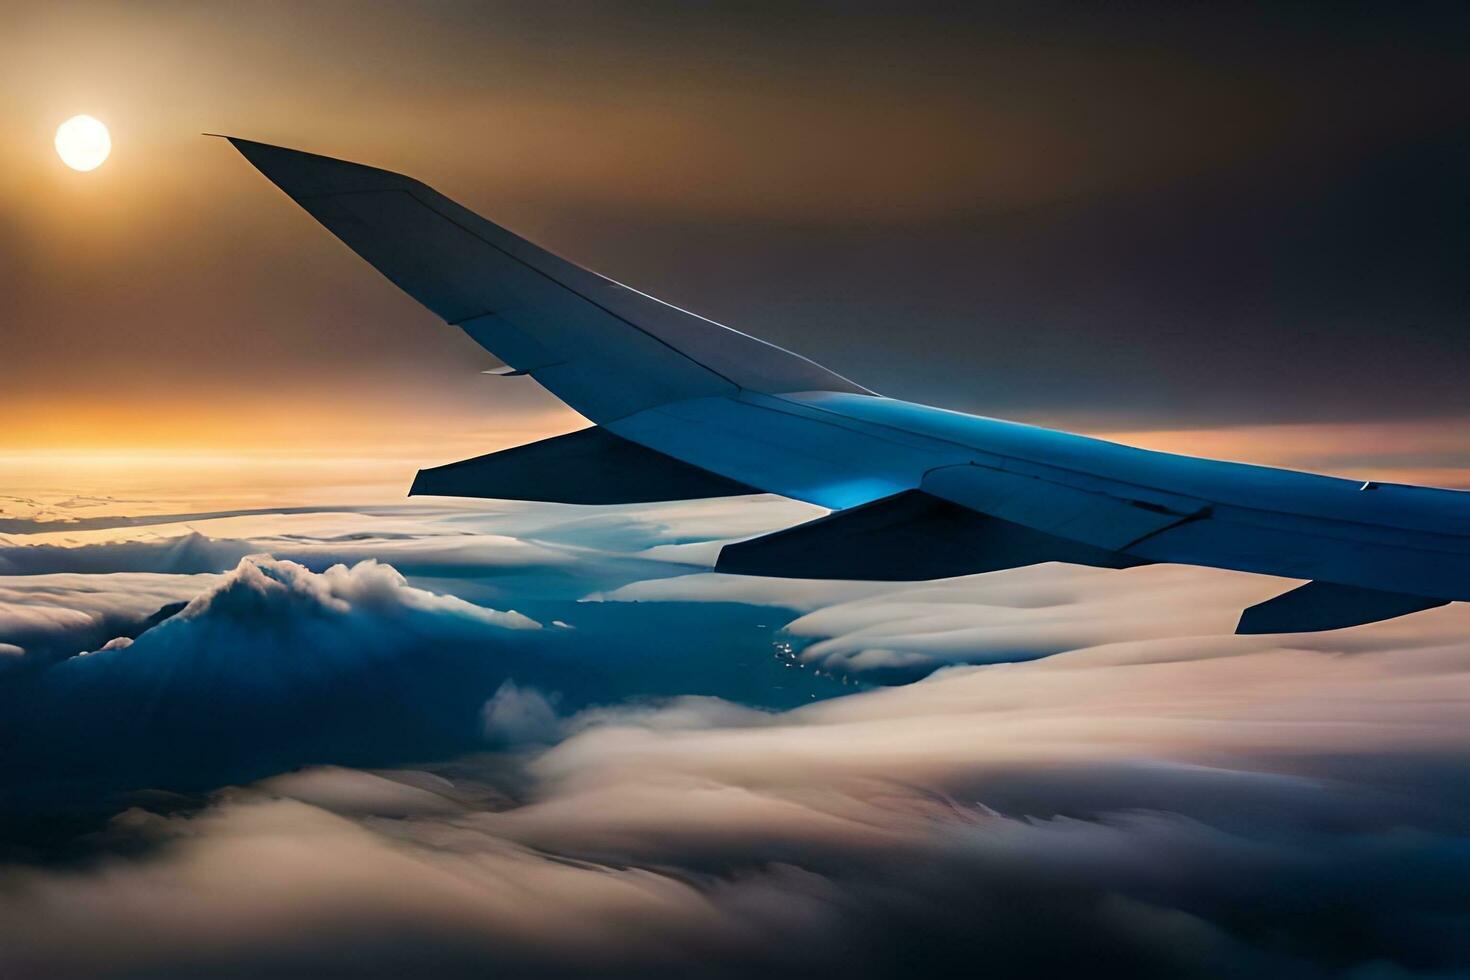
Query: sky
[
  {"x": 1123, "y": 220},
  {"x": 260, "y": 715}
]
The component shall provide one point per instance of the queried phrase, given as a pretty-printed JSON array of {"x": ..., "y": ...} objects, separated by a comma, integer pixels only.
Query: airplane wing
[
  {"x": 685, "y": 407},
  {"x": 606, "y": 350}
]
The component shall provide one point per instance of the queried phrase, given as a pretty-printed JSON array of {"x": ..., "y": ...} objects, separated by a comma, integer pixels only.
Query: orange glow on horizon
[
  {"x": 1426, "y": 452},
  {"x": 238, "y": 444},
  {"x": 240, "y": 424}
]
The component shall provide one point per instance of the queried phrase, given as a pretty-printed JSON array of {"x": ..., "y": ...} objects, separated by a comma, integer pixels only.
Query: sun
[{"x": 83, "y": 143}]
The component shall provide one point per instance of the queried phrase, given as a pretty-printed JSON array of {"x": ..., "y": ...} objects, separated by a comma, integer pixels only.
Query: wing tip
[{"x": 302, "y": 174}]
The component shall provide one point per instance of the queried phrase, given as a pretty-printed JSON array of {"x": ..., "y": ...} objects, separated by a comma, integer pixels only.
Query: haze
[{"x": 1126, "y": 221}]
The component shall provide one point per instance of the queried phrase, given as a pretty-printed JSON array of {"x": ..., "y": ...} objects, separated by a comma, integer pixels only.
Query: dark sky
[{"x": 1119, "y": 215}]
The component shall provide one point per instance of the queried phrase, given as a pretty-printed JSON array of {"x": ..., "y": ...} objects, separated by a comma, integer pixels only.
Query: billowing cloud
[
  {"x": 269, "y": 666},
  {"x": 1022, "y": 614},
  {"x": 1098, "y": 773},
  {"x": 263, "y": 589},
  {"x": 71, "y": 589},
  {"x": 66, "y": 613},
  {"x": 905, "y": 630},
  {"x": 1156, "y": 808}
]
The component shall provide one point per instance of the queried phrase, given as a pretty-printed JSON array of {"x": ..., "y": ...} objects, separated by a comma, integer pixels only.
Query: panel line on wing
[{"x": 538, "y": 271}]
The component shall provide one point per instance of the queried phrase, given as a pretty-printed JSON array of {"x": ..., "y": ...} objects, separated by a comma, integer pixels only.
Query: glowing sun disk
[{"x": 83, "y": 143}]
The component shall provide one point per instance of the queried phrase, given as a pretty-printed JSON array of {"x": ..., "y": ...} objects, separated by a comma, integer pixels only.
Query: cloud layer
[
  {"x": 1155, "y": 808},
  {"x": 319, "y": 652},
  {"x": 270, "y": 666},
  {"x": 1097, "y": 773}
]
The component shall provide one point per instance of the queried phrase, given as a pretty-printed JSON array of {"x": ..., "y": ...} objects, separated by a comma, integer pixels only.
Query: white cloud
[
  {"x": 1017, "y": 614},
  {"x": 784, "y": 593},
  {"x": 262, "y": 588},
  {"x": 1139, "y": 791},
  {"x": 1164, "y": 807},
  {"x": 518, "y": 714},
  {"x": 68, "y": 612}
]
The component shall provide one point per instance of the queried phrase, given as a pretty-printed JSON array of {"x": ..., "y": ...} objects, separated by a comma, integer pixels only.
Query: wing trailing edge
[
  {"x": 917, "y": 536},
  {"x": 589, "y": 466}
]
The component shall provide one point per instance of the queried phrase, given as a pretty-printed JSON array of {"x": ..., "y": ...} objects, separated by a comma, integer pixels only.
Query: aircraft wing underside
[
  {"x": 589, "y": 466},
  {"x": 688, "y": 408}
]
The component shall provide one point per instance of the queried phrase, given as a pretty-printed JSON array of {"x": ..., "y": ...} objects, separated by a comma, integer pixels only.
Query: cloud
[
  {"x": 264, "y": 589},
  {"x": 569, "y": 550},
  {"x": 184, "y": 551},
  {"x": 514, "y": 714},
  {"x": 798, "y": 594},
  {"x": 1149, "y": 808},
  {"x": 61, "y": 614},
  {"x": 187, "y": 553},
  {"x": 905, "y": 630},
  {"x": 269, "y": 666},
  {"x": 1097, "y": 773},
  {"x": 69, "y": 590},
  {"x": 297, "y": 631},
  {"x": 281, "y": 886},
  {"x": 1023, "y": 614},
  {"x": 901, "y": 631}
]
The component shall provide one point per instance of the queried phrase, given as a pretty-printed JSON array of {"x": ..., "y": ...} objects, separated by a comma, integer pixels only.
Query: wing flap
[
  {"x": 589, "y": 466},
  {"x": 910, "y": 536},
  {"x": 1100, "y": 519},
  {"x": 1319, "y": 606}
]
